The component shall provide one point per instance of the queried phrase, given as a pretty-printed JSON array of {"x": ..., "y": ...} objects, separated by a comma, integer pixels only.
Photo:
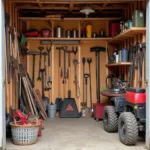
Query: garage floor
[{"x": 76, "y": 134}]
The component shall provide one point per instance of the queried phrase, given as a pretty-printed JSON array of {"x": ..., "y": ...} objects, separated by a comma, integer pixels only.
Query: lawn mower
[
  {"x": 132, "y": 120},
  {"x": 126, "y": 115}
]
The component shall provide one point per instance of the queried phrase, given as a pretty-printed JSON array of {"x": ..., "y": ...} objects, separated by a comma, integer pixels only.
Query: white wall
[{"x": 2, "y": 75}]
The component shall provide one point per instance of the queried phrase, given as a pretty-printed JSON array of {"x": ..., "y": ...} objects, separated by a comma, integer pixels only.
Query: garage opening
[{"x": 75, "y": 74}]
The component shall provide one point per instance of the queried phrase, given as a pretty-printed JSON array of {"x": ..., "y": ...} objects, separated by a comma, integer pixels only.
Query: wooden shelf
[
  {"x": 70, "y": 39},
  {"x": 96, "y": 39},
  {"x": 119, "y": 64},
  {"x": 132, "y": 32},
  {"x": 73, "y": 19}
]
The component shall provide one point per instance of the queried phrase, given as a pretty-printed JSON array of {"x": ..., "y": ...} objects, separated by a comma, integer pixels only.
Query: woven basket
[{"x": 24, "y": 134}]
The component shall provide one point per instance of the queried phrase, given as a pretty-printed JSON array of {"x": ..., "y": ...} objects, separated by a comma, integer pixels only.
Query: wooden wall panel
[
  {"x": 11, "y": 89},
  {"x": 84, "y": 51}
]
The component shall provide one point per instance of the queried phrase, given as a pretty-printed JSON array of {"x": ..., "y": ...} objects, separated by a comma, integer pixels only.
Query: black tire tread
[
  {"x": 112, "y": 126},
  {"x": 131, "y": 128}
]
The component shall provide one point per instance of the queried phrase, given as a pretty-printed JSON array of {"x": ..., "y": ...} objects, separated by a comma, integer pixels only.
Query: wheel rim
[
  {"x": 106, "y": 118},
  {"x": 122, "y": 129}
]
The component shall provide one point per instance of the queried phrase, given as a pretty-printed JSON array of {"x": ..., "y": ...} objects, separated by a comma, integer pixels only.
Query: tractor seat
[{"x": 136, "y": 90}]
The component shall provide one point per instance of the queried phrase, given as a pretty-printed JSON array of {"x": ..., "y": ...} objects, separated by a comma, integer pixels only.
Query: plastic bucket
[
  {"x": 124, "y": 55},
  {"x": 51, "y": 110}
]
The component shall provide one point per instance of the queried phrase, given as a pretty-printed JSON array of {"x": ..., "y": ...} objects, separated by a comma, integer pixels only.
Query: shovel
[
  {"x": 83, "y": 104},
  {"x": 89, "y": 61}
]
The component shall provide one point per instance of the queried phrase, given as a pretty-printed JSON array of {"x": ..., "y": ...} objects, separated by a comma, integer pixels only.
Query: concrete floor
[{"x": 76, "y": 134}]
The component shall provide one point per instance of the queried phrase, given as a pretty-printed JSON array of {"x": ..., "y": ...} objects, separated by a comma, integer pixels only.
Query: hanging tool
[
  {"x": 65, "y": 73},
  {"x": 75, "y": 62},
  {"x": 7, "y": 23},
  {"x": 68, "y": 74},
  {"x": 49, "y": 80},
  {"x": 45, "y": 77},
  {"x": 48, "y": 51},
  {"x": 59, "y": 58},
  {"x": 83, "y": 103},
  {"x": 85, "y": 110},
  {"x": 33, "y": 53},
  {"x": 40, "y": 60},
  {"x": 97, "y": 51},
  {"x": 89, "y": 61},
  {"x": 98, "y": 107},
  {"x": 60, "y": 75},
  {"x": 86, "y": 76},
  {"x": 44, "y": 98},
  {"x": 141, "y": 55},
  {"x": 75, "y": 51},
  {"x": 33, "y": 69}
]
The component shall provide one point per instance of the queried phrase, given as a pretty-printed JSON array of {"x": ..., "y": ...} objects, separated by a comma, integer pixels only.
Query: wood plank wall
[
  {"x": 11, "y": 89},
  {"x": 127, "y": 15},
  {"x": 84, "y": 51},
  {"x": 140, "y": 5},
  {"x": 11, "y": 99}
]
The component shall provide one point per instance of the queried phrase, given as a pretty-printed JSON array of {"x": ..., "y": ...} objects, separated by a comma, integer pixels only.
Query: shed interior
[{"x": 28, "y": 17}]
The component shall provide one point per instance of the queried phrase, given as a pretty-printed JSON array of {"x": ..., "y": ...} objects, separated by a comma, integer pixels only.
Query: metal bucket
[
  {"x": 52, "y": 111},
  {"x": 59, "y": 32},
  {"x": 74, "y": 33}
]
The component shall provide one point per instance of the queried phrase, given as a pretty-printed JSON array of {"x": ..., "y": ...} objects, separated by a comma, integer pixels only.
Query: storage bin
[
  {"x": 45, "y": 33},
  {"x": 24, "y": 134},
  {"x": 138, "y": 18}
]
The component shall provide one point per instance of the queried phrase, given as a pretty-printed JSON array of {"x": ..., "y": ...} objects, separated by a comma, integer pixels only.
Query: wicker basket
[{"x": 24, "y": 134}]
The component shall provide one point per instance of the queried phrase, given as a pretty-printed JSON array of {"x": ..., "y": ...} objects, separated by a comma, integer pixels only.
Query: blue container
[{"x": 124, "y": 55}]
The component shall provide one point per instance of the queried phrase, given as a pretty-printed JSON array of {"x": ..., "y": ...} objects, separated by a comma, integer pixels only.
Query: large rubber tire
[
  {"x": 128, "y": 128},
  {"x": 110, "y": 119}
]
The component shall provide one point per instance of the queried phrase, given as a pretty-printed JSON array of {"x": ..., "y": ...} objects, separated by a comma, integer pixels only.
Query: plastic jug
[{"x": 88, "y": 31}]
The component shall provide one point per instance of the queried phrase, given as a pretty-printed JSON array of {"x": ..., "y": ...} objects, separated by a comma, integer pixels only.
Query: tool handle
[
  {"x": 64, "y": 64},
  {"x": 33, "y": 67},
  {"x": 48, "y": 51},
  {"x": 69, "y": 59},
  {"x": 83, "y": 60},
  {"x": 40, "y": 60},
  {"x": 59, "y": 59},
  {"x": 48, "y": 58},
  {"x": 69, "y": 93},
  {"x": 42, "y": 71},
  {"x": 75, "y": 51},
  {"x": 45, "y": 64},
  {"x": 86, "y": 81}
]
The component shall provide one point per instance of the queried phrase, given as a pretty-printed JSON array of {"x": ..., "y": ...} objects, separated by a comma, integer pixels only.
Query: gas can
[
  {"x": 98, "y": 109},
  {"x": 138, "y": 18}
]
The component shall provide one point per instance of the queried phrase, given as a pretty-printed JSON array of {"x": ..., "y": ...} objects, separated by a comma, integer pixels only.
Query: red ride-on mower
[{"x": 132, "y": 120}]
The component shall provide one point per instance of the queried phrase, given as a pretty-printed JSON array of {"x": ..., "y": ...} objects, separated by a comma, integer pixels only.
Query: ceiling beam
[
  {"x": 96, "y": 7},
  {"x": 71, "y": 5},
  {"x": 40, "y": 5},
  {"x": 75, "y": 1},
  {"x": 104, "y": 5}
]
